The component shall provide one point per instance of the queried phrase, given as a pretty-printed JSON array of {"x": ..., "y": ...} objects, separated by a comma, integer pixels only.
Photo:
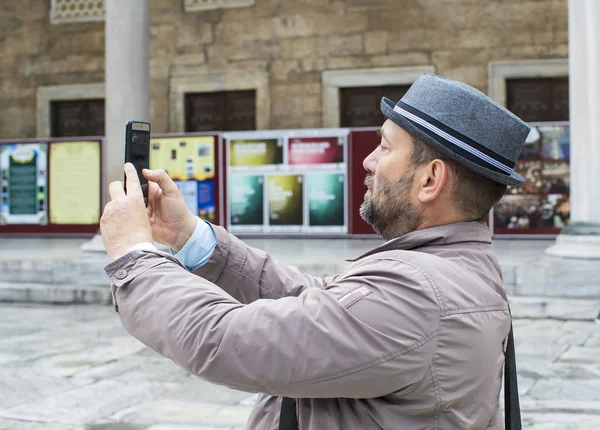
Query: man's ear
[{"x": 433, "y": 177}]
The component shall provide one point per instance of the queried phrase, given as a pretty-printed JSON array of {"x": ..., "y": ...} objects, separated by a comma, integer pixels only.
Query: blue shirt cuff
[{"x": 199, "y": 248}]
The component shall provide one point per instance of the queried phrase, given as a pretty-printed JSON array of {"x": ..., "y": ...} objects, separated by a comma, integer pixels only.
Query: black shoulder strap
[
  {"x": 287, "y": 417},
  {"x": 512, "y": 409}
]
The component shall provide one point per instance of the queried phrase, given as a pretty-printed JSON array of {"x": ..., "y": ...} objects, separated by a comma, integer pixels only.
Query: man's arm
[
  {"x": 367, "y": 335},
  {"x": 246, "y": 273}
]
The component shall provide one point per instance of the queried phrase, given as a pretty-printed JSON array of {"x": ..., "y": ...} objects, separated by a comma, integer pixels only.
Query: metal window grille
[
  {"x": 195, "y": 5},
  {"x": 65, "y": 11}
]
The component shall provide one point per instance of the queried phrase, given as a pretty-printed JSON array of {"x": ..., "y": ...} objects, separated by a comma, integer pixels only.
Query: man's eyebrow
[{"x": 382, "y": 135}]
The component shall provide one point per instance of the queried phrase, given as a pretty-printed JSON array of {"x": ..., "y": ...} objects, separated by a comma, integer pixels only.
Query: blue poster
[{"x": 206, "y": 200}]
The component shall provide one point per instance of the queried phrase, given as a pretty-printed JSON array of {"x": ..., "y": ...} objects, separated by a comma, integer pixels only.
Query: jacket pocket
[{"x": 355, "y": 295}]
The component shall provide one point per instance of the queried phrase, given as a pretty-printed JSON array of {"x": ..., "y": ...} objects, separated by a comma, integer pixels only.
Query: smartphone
[{"x": 137, "y": 148}]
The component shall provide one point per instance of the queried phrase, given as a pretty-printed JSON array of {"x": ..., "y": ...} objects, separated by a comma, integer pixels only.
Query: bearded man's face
[{"x": 388, "y": 205}]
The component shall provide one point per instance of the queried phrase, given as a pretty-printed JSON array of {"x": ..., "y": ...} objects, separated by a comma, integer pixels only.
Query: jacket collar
[{"x": 441, "y": 235}]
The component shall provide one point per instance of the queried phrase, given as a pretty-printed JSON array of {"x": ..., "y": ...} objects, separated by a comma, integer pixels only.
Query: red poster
[{"x": 316, "y": 150}]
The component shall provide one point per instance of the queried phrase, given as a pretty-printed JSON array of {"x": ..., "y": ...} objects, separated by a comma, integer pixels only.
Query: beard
[{"x": 388, "y": 208}]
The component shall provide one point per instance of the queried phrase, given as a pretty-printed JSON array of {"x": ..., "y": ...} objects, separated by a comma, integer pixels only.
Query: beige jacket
[{"x": 410, "y": 336}]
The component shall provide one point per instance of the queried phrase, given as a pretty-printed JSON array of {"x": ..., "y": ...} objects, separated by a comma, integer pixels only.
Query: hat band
[{"x": 497, "y": 162}]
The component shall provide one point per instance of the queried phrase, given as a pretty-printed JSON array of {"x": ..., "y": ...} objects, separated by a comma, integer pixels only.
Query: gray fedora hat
[{"x": 463, "y": 124}]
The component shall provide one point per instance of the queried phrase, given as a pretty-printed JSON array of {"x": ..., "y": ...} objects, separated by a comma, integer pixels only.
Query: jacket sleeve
[
  {"x": 249, "y": 274},
  {"x": 317, "y": 345}
]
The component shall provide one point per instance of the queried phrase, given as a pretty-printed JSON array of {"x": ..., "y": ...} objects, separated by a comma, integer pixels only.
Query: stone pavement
[{"x": 75, "y": 368}]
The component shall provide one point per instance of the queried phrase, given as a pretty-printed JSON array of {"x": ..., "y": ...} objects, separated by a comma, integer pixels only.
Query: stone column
[
  {"x": 127, "y": 84},
  {"x": 581, "y": 238}
]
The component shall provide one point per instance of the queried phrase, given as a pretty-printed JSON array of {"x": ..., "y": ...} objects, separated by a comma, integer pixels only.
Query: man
[{"x": 410, "y": 336}]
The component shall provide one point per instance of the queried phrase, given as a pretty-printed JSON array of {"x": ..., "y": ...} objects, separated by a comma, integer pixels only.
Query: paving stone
[
  {"x": 250, "y": 400},
  {"x": 198, "y": 390},
  {"x": 231, "y": 415},
  {"x": 554, "y": 421},
  {"x": 534, "y": 366},
  {"x": 9, "y": 330},
  {"x": 7, "y": 357},
  {"x": 573, "y": 389},
  {"x": 532, "y": 306},
  {"x": 81, "y": 405},
  {"x": 73, "y": 363},
  {"x": 560, "y": 405},
  {"x": 183, "y": 412},
  {"x": 109, "y": 425},
  {"x": 133, "y": 369},
  {"x": 580, "y": 326},
  {"x": 541, "y": 348},
  {"x": 28, "y": 348},
  {"x": 178, "y": 427},
  {"x": 21, "y": 385},
  {"x": 576, "y": 370},
  {"x": 594, "y": 339},
  {"x": 6, "y": 424},
  {"x": 579, "y": 354},
  {"x": 525, "y": 384},
  {"x": 26, "y": 290}
]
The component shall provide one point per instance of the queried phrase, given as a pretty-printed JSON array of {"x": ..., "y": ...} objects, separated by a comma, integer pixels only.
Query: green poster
[
  {"x": 22, "y": 183},
  {"x": 325, "y": 199},
  {"x": 246, "y": 199}
]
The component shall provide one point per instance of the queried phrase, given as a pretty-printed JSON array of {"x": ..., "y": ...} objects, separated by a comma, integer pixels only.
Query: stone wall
[{"x": 292, "y": 41}]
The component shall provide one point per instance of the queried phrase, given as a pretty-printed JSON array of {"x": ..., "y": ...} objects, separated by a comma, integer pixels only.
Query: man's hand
[
  {"x": 124, "y": 222},
  {"x": 172, "y": 222}
]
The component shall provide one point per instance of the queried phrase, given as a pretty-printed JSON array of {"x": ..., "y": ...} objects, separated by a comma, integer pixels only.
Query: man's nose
[{"x": 370, "y": 162}]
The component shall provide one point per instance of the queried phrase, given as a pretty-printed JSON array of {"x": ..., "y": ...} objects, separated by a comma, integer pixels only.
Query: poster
[
  {"x": 184, "y": 158},
  {"x": 74, "y": 182},
  {"x": 246, "y": 200},
  {"x": 24, "y": 189},
  {"x": 190, "y": 162},
  {"x": 285, "y": 198},
  {"x": 316, "y": 150},
  {"x": 255, "y": 152},
  {"x": 206, "y": 200},
  {"x": 189, "y": 192},
  {"x": 541, "y": 204},
  {"x": 326, "y": 201}
]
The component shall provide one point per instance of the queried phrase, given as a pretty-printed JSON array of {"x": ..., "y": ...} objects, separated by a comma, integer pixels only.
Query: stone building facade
[{"x": 295, "y": 55}]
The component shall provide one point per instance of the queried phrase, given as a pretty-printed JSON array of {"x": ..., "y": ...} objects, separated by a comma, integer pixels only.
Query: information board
[
  {"x": 24, "y": 183},
  {"x": 287, "y": 181}
]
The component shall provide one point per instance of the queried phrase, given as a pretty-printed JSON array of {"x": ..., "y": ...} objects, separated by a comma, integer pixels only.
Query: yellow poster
[
  {"x": 74, "y": 182},
  {"x": 184, "y": 158}
]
